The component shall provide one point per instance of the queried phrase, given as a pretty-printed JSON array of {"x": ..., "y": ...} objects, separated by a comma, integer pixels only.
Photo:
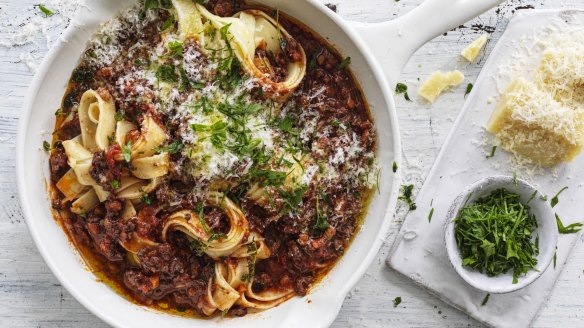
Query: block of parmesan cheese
[
  {"x": 471, "y": 52},
  {"x": 530, "y": 122},
  {"x": 438, "y": 82}
]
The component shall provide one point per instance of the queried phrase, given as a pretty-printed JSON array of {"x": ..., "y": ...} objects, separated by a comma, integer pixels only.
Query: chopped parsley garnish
[
  {"x": 532, "y": 197},
  {"x": 186, "y": 83},
  {"x": 286, "y": 124},
  {"x": 486, "y": 299},
  {"x": 216, "y": 132},
  {"x": 228, "y": 65},
  {"x": 394, "y": 166},
  {"x": 402, "y": 88},
  {"x": 572, "y": 228},
  {"x": 468, "y": 89},
  {"x": 82, "y": 75},
  {"x": 166, "y": 73},
  {"x": 252, "y": 251},
  {"x": 151, "y": 4},
  {"x": 119, "y": 115},
  {"x": 397, "y": 301},
  {"x": 495, "y": 235},
  {"x": 166, "y": 4},
  {"x": 203, "y": 104},
  {"x": 127, "y": 151},
  {"x": 175, "y": 49},
  {"x": 201, "y": 215},
  {"x": 46, "y": 146},
  {"x": 293, "y": 198},
  {"x": 197, "y": 247},
  {"x": 406, "y": 196},
  {"x": 313, "y": 59},
  {"x": 116, "y": 184},
  {"x": 269, "y": 178},
  {"x": 321, "y": 223},
  {"x": 216, "y": 236},
  {"x": 493, "y": 150},
  {"x": 430, "y": 215},
  {"x": 60, "y": 112},
  {"x": 45, "y": 10},
  {"x": 146, "y": 199},
  {"x": 168, "y": 23},
  {"x": 555, "y": 200},
  {"x": 173, "y": 148},
  {"x": 344, "y": 63}
]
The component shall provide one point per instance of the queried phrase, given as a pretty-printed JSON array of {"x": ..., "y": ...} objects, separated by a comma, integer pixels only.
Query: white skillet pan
[{"x": 378, "y": 52}]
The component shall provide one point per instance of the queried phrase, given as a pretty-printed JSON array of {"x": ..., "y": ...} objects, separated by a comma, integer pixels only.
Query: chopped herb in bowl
[
  {"x": 500, "y": 234},
  {"x": 495, "y": 235}
]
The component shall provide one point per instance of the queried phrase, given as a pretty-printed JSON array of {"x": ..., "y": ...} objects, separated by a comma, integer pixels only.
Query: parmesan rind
[
  {"x": 530, "y": 122},
  {"x": 438, "y": 82},
  {"x": 471, "y": 51}
]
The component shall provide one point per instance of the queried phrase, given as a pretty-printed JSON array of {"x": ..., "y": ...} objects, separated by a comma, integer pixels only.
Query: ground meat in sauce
[
  {"x": 173, "y": 271},
  {"x": 58, "y": 164}
]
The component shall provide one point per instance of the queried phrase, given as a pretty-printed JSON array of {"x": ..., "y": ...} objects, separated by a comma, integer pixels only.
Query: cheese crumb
[
  {"x": 439, "y": 82},
  {"x": 471, "y": 52}
]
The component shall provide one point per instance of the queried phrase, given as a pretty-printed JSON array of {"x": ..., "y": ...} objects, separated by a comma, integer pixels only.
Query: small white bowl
[{"x": 546, "y": 230}]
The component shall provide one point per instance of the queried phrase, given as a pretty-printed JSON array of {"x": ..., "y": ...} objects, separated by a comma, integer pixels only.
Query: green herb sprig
[
  {"x": 555, "y": 200},
  {"x": 495, "y": 235},
  {"x": 468, "y": 89},
  {"x": 406, "y": 196},
  {"x": 45, "y": 10},
  {"x": 402, "y": 88},
  {"x": 127, "y": 151},
  {"x": 201, "y": 216},
  {"x": 572, "y": 228},
  {"x": 46, "y": 146},
  {"x": 492, "y": 154},
  {"x": 486, "y": 300},
  {"x": 397, "y": 301},
  {"x": 176, "y": 146},
  {"x": 344, "y": 63}
]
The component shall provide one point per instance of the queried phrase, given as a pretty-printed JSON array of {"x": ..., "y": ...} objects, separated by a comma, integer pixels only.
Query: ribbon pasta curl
[
  {"x": 242, "y": 35},
  {"x": 98, "y": 125},
  {"x": 235, "y": 255}
]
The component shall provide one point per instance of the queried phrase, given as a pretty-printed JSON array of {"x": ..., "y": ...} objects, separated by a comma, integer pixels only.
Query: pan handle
[{"x": 395, "y": 41}]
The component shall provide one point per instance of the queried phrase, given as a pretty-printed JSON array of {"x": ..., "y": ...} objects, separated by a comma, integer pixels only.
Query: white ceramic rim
[{"x": 544, "y": 258}]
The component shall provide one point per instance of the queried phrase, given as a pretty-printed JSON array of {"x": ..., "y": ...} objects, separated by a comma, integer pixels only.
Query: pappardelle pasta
[{"x": 211, "y": 157}]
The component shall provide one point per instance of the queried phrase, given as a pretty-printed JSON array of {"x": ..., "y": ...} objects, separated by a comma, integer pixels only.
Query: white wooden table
[{"x": 30, "y": 296}]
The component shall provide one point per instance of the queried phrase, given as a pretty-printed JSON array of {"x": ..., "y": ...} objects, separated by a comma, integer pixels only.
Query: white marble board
[{"x": 419, "y": 252}]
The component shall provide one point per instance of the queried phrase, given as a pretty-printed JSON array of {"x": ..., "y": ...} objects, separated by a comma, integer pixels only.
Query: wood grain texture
[{"x": 30, "y": 296}]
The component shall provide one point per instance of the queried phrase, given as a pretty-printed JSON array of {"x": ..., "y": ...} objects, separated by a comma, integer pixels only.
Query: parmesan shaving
[
  {"x": 471, "y": 52},
  {"x": 438, "y": 82}
]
